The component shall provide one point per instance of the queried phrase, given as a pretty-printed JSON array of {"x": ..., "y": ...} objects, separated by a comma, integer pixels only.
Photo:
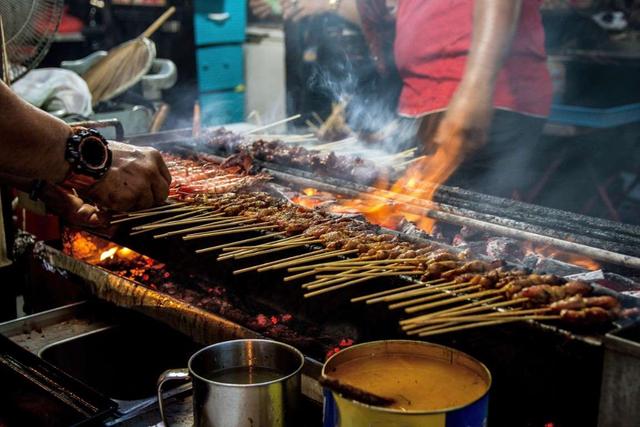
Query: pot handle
[{"x": 166, "y": 376}]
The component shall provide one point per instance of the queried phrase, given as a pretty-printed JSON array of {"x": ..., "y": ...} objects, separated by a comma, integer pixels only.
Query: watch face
[{"x": 93, "y": 153}]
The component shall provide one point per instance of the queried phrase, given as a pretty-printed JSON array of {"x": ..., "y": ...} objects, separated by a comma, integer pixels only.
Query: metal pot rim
[
  {"x": 398, "y": 411},
  {"x": 282, "y": 379}
]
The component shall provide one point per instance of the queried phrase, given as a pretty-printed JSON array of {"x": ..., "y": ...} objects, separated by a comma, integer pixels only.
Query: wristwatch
[{"x": 89, "y": 155}]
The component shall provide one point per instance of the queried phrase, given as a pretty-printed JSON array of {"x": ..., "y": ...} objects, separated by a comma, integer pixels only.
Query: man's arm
[
  {"x": 33, "y": 144},
  {"x": 469, "y": 113}
]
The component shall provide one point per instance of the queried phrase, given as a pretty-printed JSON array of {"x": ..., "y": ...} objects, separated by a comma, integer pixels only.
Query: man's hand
[
  {"x": 260, "y": 8},
  {"x": 137, "y": 179},
  {"x": 295, "y": 10},
  {"x": 466, "y": 122},
  {"x": 72, "y": 208}
]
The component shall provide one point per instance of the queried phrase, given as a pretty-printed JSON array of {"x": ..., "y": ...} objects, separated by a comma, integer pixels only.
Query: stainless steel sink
[{"x": 122, "y": 361}]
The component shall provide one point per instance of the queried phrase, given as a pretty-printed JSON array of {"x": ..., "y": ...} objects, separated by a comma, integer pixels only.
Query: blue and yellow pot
[{"x": 342, "y": 412}]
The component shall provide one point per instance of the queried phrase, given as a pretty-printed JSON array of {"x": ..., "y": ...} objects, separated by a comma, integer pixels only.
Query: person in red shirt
[{"x": 473, "y": 73}]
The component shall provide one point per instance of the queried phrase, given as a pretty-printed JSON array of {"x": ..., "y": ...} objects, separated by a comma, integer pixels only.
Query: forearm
[
  {"x": 494, "y": 26},
  {"x": 348, "y": 9},
  {"x": 32, "y": 142}
]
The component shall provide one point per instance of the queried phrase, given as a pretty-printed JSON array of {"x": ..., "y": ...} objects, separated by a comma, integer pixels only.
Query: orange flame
[
  {"x": 421, "y": 181},
  {"x": 569, "y": 258}
]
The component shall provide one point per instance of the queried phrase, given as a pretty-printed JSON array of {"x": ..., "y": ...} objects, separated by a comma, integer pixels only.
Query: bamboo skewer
[
  {"x": 212, "y": 217},
  {"x": 374, "y": 275},
  {"x": 424, "y": 290},
  {"x": 197, "y": 213},
  {"x": 274, "y": 124},
  {"x": 489, "y": 302},
  {"x": 206, "y": 227},
  {"x": 493, "y": 316},
  {"x": 439, "y": 296},
  {"x": 322, "y": 264},
  {"x": 267, "y": 264},
  {"x": 251, "y": 254},
  {"x": 423, "y": 307},
  {"x": 252, "y": 239},
  {"x": 320, "y": 283},
  {"x": 312, "y": 258},
  {"x": 214, "y": 222},
  {"x": 228, "y": 231},
  {"x": 336, "y": 287},
  {"x": 156, "y": 208},
  {"x": 280, "y": 242},
  {"x": 387, "y": 292},
  {"x": 483, "y": 324},
  {"x": 149, "y": 214}
]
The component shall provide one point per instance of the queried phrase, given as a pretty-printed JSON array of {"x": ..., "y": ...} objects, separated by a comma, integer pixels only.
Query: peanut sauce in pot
[{"x": 417, "y": 383}]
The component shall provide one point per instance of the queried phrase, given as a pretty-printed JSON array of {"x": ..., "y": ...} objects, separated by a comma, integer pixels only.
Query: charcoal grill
[{"x": 556, "y": 372}]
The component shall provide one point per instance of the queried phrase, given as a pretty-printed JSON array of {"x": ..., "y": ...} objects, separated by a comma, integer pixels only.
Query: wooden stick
[
  {"x": 487, "y": 304},
  {"x": 267, "y": 264},
  {"x": 157, "y": 208},
  {"x": 279, "y": 122},
  {"x": 484, "y": 324},
  {"x": 306, "y": 260},
  {"x": 444, "y": 294},
  {"x": 423, "y": 307},
  {"x": 363, "y": 267},
  {"x": 207, "y": 227},
  {"x": 268, "y": 251},
  {"x": 264, "y": 249},
  {"x": 430, "y": 328},
  {"x": 321, "y": 283},
  {"x": 253, "y": 239},
  {"x": 196, "y": 213},
  {"x": 149, "y": 214},
  {"x": 314, "y": 266},
  {"x": 227, "y": 232},
  {"x": 212, "y": 217},
  {"x": 484, "y": 307},
  {"x": 417, "y": 319},
  {"x": 336, "y": 287},
  {"x": 385, "y": 293},
  {"x": 489, "y": 317},
  {"x": 372, "y": 274},
  {"x": 426, "y": 290},
  {"x": 275, "y": 244}
]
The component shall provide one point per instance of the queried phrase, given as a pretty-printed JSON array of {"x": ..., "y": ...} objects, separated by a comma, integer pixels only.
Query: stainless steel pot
[{"x": 223, "y": 403}]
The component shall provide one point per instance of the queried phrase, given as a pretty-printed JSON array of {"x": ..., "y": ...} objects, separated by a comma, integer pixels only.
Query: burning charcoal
[
  {"x": 469, "y": 233},
  {"x": 410, "y": 228},
  {"x": 504, "y": 248}
]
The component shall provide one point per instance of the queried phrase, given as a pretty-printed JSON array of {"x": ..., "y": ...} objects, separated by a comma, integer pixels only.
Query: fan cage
[{"x": 29, "y": 27}]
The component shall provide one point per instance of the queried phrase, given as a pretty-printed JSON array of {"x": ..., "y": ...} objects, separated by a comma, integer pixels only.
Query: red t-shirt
[{"x": 431, "y": 45}]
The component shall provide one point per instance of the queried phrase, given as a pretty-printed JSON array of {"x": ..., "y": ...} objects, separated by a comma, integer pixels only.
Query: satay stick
[
  {"x": 353, "y": 262},
  {"x": 252, "y": 239},
  {"x": 373, "y": 274},
  {"x": 324, "y": 282},
  {"x": 387, "y": 292},
  {"x": 300, "y": 275},
  {"x": 191, "y": 215},
  {"x": 386, "y": 267},
  {"x": 425, "y": 290},
  {"x": 207, "y": 227},
  {"x": 213, "y": 217},
  {"x": 151, "y": 214},
  {"x": 309, "y": 259},
  {"x": 485, "y": 303},
  {"x": 431, "y": 305},
  {"x": 337, "y": 287},
  {"x": 227, "y": 232},
  {"x": 267, "y": 264},
  {"x": 485, "y": 324},
  {"x": 157, "y": 208},
  {"x": 269, "y": 245},
  {"x": 486, "y": 317},
  {"x": 268, "y": 251},
  {"x": 441, "y": 295},
  {"x": 260, "y": 250}
]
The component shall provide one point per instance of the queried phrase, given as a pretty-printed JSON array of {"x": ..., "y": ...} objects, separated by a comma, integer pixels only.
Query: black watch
[{"x": 89, "y": 155}]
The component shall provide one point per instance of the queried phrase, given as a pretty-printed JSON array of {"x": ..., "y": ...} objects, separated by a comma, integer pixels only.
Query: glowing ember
[
  {"x": 108, "y": 254},
  {"x": 310, "y": 191}
]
